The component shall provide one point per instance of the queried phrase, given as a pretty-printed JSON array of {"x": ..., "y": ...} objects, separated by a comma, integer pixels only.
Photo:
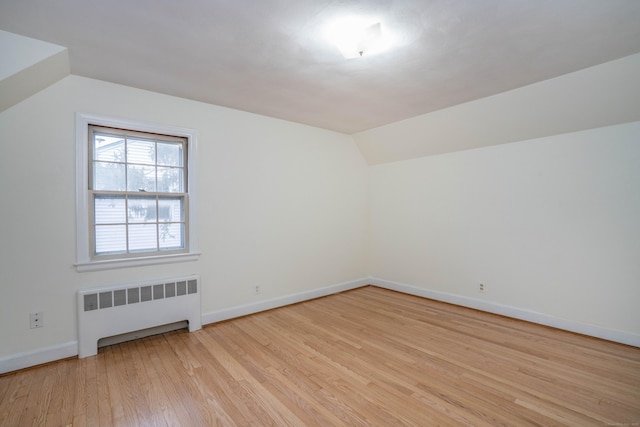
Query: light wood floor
[{"x": 363, "y": 357}]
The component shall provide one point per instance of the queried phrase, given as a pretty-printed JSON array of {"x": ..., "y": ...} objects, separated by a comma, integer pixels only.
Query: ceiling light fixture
[{"x": 356, "y": 37}]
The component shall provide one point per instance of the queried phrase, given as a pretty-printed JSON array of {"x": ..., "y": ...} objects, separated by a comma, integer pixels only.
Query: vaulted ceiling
[{"x": 271, "y": 57}]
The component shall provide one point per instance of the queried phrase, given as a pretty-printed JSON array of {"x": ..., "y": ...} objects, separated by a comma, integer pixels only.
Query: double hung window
[
  {"x": 138, "y": 192},
  {"x": 134, "y": 192}
]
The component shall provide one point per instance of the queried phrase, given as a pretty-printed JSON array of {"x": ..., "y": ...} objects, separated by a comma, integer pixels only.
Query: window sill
[{"x": 136, "y": 262}]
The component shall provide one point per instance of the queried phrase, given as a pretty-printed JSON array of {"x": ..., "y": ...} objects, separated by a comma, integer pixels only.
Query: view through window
[{"x": 138, "y": 193}]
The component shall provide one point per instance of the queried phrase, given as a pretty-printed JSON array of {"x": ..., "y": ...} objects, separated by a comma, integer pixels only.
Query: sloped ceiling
[
  {"x": 270, "y": 56},
  {"x": 27, "y": 66}
]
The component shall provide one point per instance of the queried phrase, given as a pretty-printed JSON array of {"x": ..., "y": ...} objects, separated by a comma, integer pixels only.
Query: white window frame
[{"x": 84, "y": 260}]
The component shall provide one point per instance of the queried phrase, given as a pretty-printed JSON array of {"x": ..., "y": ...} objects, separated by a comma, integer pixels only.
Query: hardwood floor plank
[
  {"x": 286, "y": 371},
  {"x": 60, "y": 410},
  {"x": 92, "y": 411},
  {"x": 81, "y": 392},
  {"x": 363, "y": 357},
  {"x": 274, "y": 410},
  {"x": 5, "y": 385},
  {"x": 374, "y": 370},
  {"x": 27, "y": 403},
  {"x": 151, "y": 394},
  {"x": 13, "y": 386},
  {"x": 104, "y": 413},
  {"x": 229, "y": 391},
  {"x": 169, "y": 397}
]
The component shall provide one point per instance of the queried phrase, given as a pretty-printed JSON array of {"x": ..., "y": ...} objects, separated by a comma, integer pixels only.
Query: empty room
[{"x": 320, "y": 212}]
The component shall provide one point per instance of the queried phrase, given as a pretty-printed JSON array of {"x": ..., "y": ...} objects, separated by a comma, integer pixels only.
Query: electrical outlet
[
  {"x": 258, "y": 289},
  {"x": 36, "y": 320},
  {"x": 481, "y": 287}
]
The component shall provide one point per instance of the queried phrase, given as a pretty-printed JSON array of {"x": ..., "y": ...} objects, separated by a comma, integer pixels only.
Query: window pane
[
  {"x": 108, "y": 148},
  {"x": 170, "y": 180},
  {"x": 170, "y": 154},
  {"x": 170, "y": 210},
  {"x": 110, "y": 210},
  {"x": 142, "y": 209},
  {"x": 108, "y": 176},
  {"x": 141, "y": 178},
  {"x": 110, "y": 239},
  {"x": 141, "y": 151},
  {"x": 143, "y": 237},
  {"x": 171, "y": 236}
]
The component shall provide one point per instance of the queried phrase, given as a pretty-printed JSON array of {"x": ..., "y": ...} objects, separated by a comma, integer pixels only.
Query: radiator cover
[{"x": 107, "y": 311}]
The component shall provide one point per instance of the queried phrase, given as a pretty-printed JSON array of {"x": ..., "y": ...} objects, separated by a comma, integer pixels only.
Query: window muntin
[{"x": 138, "y": 193}]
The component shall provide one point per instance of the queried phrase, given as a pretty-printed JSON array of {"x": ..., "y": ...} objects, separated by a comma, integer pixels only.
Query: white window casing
[{"x": 85, "y": 259}]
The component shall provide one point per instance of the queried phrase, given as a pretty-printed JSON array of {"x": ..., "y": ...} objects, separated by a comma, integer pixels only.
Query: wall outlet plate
[{"x": 36, "y": 320}]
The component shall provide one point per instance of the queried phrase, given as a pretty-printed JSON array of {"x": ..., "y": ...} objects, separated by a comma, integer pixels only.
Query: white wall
[
  {"x": 280, "y": 204},
  {"x": 550, "y": 225}
]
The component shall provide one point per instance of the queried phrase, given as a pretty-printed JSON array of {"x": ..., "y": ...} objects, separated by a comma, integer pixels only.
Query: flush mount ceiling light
[{"x": 356, "y": 37}]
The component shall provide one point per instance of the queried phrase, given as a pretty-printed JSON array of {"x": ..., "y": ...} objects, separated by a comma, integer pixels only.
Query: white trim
[
  {"x": 31, "y": 358},
  {"x": 83, "y": 259},
  {"x": 615, "y": 335},
  {"x": 245, "y": 309},
  {"x": 136, "y": 262}
]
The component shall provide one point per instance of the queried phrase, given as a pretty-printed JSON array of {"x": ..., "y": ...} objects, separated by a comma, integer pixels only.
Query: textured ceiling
[{"x": 270, "y": 57}]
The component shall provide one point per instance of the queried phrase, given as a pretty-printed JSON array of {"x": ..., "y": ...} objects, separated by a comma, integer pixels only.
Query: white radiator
[{"x": 108, "y": 311}]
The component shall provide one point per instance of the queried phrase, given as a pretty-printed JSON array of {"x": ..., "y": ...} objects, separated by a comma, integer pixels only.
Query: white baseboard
[
  {"x": 622, "y": 337},
  {"x": 39, "y": 356},
  {"x": 27, "y": 359},
  {"x": 245, "y": 309}
]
